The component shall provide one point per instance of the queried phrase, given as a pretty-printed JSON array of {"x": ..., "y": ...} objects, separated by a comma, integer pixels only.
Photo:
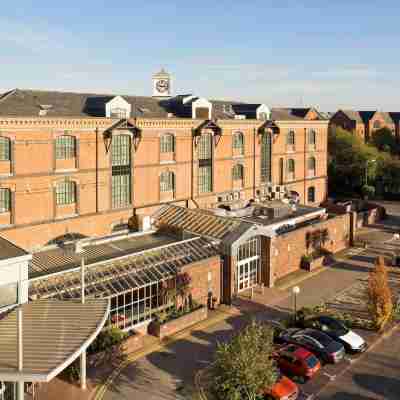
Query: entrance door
[{"x": 248, "y": 264}]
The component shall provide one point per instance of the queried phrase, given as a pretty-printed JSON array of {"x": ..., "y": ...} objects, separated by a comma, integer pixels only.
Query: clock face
[{"x": 162, "y": 85}]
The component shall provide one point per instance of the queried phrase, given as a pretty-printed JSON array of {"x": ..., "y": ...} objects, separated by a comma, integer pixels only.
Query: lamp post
[
  {"x": 295, "y": 291},
  {"x": 366, "y": 170}
]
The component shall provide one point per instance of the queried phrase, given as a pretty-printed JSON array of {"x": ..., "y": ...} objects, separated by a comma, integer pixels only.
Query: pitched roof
[
  {"x": 196, "y": 221},
  {"x": 28, "y": 103},
  {"x": 10, "y": 250}
]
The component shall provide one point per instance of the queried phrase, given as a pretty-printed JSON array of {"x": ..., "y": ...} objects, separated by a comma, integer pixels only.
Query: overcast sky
[{"x": 330, "y": 54}]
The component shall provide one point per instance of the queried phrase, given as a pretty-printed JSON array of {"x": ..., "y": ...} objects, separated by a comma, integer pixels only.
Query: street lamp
[
  {"x": 366, "y": 170},
  {"x": 295, "y": 291}
]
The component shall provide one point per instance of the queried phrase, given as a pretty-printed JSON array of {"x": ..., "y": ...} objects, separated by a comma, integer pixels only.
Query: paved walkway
[{"x": 169, "y": 373}]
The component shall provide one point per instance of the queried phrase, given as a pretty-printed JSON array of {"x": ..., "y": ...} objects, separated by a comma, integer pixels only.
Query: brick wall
[
  {"x": 206, "y": 276},
  {"x": 288, "y": 249},
  {"x": 33, "y": 172}
]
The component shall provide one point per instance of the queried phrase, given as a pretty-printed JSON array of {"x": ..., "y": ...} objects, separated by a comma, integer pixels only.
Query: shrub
[
  {"x": 106, "y": 339},
  {"x": 368, "y": 191},
  {"x": 244, "y": 367},
  {"x": 379, "y": 294}
]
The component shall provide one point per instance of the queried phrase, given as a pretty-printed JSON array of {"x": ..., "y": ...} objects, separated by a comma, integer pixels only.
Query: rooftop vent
[{"x": 44, "y": 108}]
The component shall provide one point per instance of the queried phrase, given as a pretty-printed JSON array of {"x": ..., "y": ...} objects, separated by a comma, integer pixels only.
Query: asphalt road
[{"x": 375, "y": 376}]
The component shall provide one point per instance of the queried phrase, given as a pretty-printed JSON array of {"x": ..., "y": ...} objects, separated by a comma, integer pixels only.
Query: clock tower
[{"x": 162, "y": 84}]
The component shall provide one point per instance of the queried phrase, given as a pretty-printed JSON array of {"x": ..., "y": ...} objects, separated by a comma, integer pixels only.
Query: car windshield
[
  {"x": 334, "y": 325},
  {"x": 311, "y": 361},
  {"x": 320, "y": 337}
]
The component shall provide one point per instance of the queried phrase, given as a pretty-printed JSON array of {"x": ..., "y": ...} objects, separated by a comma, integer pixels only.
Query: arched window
[
  {"x": 290, "y": 140},
  {"x": 5, "y": 149},
  {"x": 5, "y": 200},
  {"x": 238, "y": 173},
  {"x": 65, "y": 147},
  {"x": 167, "y": 182},
  {"x": 167, "y": 143},
  {"x": 65, "y": 192},
  {"x": 290, "y": 169},
  {"x": 311, "y": 166},
  {"x": 311, "y": 194},
  {"x": 238, "y": 142},
  {"x": 266, "y": 150},
  {"x": 312, "y": 138}
]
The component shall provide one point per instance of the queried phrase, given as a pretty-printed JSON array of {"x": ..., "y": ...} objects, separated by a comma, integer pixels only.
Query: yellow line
[{"x": 102, "y": 389}]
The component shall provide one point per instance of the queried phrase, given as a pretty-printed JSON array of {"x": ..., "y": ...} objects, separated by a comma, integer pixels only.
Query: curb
[
  {"x": 101, "y": 389},
  {"x": 301, "y": 279}
]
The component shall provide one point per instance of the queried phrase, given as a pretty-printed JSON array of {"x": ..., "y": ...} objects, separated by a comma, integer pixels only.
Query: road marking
[{"x": 331, "y": 377}]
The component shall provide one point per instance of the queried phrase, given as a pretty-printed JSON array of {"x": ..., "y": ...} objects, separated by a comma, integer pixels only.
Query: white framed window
[
  {"x": 238, "y": 142},
  {"x": 65, "y": 147},
  {"x": 205, "y": 179},
  {"x": 65, "y": 192},
  {"x": 5, "y": 200},
  {"x": 120, "y": 113},
  {"x": 290, "y": 140},
  {"x": 167, "y": 143},
  {"x": 5, "y": 149},
  {"x": 290, "y": 169},
  {"x": 238, "y": 172},
  {"x": 167, "y": 181}
]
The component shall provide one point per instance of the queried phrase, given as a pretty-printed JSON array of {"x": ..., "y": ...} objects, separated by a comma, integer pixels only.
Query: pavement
[{"x": 167, "y": 370}]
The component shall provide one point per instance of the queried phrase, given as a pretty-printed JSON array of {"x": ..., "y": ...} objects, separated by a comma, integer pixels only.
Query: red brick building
[
  {"x": 86, "y": 163},
  {"x": 364, "y": 123}
]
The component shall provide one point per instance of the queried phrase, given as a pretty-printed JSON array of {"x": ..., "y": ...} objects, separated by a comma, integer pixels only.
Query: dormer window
[
  {"x": 263, "y": 113},
  {"x": 44, "y": 109},
  {"x": 201, "y": 109},
  {"x": 119, "y": 113},
  {"x": 118, "y": 108}
]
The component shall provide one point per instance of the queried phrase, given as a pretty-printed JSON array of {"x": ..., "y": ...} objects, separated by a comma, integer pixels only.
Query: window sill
[
  {"x": 66, "y": 216},
  {"x": 62, "y": 171},
  {"x": 4, "y": 226},
  {"x": 237, "y": 155},
  {"x": 167, "y": 162},
  {"x": 6, "y": 175}
]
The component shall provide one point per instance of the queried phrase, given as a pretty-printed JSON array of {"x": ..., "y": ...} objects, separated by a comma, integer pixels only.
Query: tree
[
  {"x": 244, "y": 367},
  {"x": 383, "y": 139},
  {"x": 379, "y": 294},
  {"x": 349, "y": 161}
]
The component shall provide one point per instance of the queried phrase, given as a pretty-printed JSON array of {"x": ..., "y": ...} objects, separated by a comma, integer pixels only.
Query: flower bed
[
  {"x": 161, "y": 330},
  {"x": 129, "y": 345},
  {"x": 312, "y": 263}
]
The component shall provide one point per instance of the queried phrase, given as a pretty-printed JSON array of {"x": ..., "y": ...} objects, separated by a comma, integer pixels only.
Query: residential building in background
[{"x": 364, "y": 123}]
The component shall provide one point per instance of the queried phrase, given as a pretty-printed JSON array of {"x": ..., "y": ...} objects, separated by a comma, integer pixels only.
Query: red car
[
  {"x": 294, "y": 360},
  {"x": 284, "y": 389}
]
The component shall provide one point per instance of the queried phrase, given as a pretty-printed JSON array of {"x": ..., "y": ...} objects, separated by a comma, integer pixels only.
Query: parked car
[
  {"x": 284, "y": 389},
  {"x": 297, "y": 361},
  {"x": 322, "y": 345},
  {"x": 351, "y": 341}
]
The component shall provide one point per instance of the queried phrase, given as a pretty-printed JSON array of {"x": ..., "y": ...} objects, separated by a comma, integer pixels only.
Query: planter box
[
  {"x": 314, "y": 264},
  {"x": 130, "y": 345},
  {"x": 178, "y": 324}
]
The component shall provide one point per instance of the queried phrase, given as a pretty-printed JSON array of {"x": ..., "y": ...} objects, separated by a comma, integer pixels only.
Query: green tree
[
  {"x": 350, "y": 162},
  {"x": 244, "y": 367},
  {"x": 383, "y": 139}
]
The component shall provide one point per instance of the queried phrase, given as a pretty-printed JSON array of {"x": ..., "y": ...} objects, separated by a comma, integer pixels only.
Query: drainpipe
[
  {"x": 192, "y": 172},
  {"x": 305, "y": 164},
  {"x": 254, "y": 162},
  {"x": 97, "y": 170}
]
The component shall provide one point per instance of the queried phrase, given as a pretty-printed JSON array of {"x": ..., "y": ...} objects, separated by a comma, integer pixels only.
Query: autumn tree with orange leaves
[{"x": 379, "y": 294}]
